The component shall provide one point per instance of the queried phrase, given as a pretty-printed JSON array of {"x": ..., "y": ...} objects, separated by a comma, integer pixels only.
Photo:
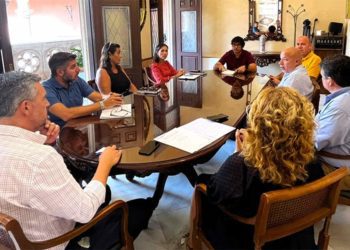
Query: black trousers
[{"x": 106, "y": 234}]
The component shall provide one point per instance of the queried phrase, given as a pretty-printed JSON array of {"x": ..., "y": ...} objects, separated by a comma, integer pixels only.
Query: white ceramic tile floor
[{"x": 169, "y": 222}]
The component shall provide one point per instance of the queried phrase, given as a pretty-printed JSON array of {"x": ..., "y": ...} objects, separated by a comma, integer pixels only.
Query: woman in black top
[
  {"x": 111, "y": 77},
  {"x": 275, "y": 151}
]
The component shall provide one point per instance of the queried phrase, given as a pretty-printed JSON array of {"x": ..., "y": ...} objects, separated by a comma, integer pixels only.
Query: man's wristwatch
[{"x": 102, "y": 105}]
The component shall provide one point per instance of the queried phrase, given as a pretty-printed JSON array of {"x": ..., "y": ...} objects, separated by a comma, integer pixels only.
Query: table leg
[{"x": 159, "y": 188}]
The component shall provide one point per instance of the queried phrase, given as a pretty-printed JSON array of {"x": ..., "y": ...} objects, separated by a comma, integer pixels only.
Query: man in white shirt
[
  {"x": 295, "y": 75},
  {"x": 35, "y": 185}
]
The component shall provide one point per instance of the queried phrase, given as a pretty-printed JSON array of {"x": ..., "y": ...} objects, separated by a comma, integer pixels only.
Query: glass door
[{"x": 39, "y": 28}]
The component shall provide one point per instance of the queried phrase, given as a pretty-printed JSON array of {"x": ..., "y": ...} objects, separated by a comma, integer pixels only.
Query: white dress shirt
[
  {"x": 37, "y": 189},
  {"x": 299, "y": 80}
]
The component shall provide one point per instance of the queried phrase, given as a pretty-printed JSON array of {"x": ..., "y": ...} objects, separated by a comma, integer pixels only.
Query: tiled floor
[{"x": 169, "y": 222}]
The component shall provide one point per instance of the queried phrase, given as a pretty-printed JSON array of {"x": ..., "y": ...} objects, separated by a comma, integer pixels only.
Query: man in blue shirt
[
  {"x": 65, "y": 91},
  {"x": 295, "y": 75},
  {"x": 333, "y": 131}
]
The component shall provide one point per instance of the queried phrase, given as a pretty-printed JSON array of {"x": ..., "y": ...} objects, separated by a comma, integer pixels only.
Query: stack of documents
[
  {"x": 189, "y": 76},
  {"x": 148, "y": 90},
  {"x": 228, "y": 72},
  {"x": 122, "y": 111},
  {"x": 195, "y": 135}
]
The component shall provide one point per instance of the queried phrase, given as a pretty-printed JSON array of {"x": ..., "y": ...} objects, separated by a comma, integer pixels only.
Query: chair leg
[{"x": 323, "y": 237}]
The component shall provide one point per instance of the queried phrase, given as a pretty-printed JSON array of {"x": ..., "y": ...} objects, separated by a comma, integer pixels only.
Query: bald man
[
  {"x": 310, "y": 60},
  {"x": 295, "y": 75}
]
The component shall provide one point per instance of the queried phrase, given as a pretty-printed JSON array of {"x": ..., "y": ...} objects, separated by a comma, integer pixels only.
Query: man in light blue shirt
[
  {"x": 295, "y": 75},
  {"x": 333, "y": 131}
]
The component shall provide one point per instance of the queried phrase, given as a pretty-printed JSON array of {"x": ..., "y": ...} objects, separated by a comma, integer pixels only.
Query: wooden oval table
[{"x": 178, "y": 103}]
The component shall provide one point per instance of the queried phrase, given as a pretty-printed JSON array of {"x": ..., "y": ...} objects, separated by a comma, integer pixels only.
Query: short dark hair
[
  {"x": 60, "y": 59},
  {"x": 15, "y": 87},
  {"x": 337, "y": 67},
  {"x": 156, "y": 58},
  {"x": 272, "y": 29},
  {"x": 108, "y": 48},
  {"x": 239, "y": 40}
]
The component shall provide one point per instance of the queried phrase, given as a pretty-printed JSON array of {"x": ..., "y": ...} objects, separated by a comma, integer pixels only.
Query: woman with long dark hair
[
  {"x": 110, "y": 76},
  {"x": 162, "y": 70}
]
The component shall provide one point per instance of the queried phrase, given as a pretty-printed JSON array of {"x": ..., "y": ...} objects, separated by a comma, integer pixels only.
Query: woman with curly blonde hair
[
  {"x": 280, "y": 138},
  {"x": 275, "y": 151}
]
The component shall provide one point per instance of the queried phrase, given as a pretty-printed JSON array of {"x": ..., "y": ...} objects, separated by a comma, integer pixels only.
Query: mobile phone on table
[{"x": 149, "y": 148}]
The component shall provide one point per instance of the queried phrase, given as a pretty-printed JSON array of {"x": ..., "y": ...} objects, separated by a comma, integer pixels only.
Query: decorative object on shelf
[
  {"x": 295, "y": 14},
  {"x": 266, "y": 58},
  {"x": 306, "y": 28},
  {"x": 260, "y": 12},
  {"x": 262, "y": 41}
]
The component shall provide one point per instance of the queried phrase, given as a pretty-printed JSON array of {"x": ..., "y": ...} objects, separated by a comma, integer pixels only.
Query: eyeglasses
[{"x": 120, "y": 112}]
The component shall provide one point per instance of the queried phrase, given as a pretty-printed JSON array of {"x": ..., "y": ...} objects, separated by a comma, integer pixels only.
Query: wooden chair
[
  {"x": 280, "y": 213},
  {"x": 315, "y": 94},
  {"x": 344, "y": 197},
  {"x": 12, "y": 236},
  {"x": 148, "y": 77}
]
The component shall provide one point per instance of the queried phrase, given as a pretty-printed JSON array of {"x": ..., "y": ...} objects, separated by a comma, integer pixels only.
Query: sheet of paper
[
  {"x": 195, "y": 135},
  {"x": 228, "y": 72},
  {"x": 122, "y": 111},
  {"x": 263, "y": 79},
  {"x": 188, "y": 77}
]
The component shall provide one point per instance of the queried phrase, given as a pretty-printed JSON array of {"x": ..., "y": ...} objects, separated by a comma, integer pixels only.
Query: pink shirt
[
  {"x": 162, "y": 72},
  {"x": 37, "y": 189}
]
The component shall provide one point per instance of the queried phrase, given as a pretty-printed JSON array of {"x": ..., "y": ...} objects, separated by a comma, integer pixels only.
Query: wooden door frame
[{"x": 135, "y": 72}]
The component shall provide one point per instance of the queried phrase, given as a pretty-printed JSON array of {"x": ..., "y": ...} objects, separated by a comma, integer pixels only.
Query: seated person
[
  {"x": 162, "y": 70},
  {"x": 333, "y": 120},
  {"x": 44, "y": 197},
  {"x": 310, "y": 60},
  {"x": 271, "y": 31},
  {"x": 65, "y": 91},
  {"x": 110, "y": 76},
  {"x": 295, "y": 75},
  {"x": 255, "y": 29},
  {"x": 275, "y": 152},
  {"x": 237, "y": 59}
]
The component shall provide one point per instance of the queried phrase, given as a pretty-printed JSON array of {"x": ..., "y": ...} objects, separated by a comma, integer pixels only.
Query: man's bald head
[
  {"x": 304, "y": 45},
  {"x": 290, "y": 59}
]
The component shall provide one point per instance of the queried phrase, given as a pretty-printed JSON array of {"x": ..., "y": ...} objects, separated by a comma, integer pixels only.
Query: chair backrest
[
  {"x": 281, "y": 212},
  {"x": 287, "y": 211},
  {"x": 315, "y": 94},
  {"x": 13, "y": 237},
  {"x": 344, "y": 198},
  {"x": 93, "y": 85},
  {"x": 148, "y": 77}
]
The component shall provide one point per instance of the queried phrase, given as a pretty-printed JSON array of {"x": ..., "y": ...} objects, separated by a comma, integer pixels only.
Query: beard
[{"x": 68, "y": 79}]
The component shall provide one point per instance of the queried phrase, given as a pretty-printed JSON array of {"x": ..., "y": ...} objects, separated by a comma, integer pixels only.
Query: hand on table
[{"x": 110, "y": 157}]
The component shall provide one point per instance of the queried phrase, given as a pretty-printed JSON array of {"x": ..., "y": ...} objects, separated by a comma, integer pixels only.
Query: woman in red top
[{"x": 162, "y": 70}]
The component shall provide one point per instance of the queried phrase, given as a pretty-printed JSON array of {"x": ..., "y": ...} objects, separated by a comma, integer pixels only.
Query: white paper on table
[
  {"x": 188, "y": 77},
  {"x": 195, "y": 135},
  {"x": 263, "y": 79},
  {"x": 228, "y": 72},
  {"x": 122, "y": 111}
]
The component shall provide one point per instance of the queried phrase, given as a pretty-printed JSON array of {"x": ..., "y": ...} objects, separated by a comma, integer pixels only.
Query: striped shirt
[{"x": 37, "y": 189}]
